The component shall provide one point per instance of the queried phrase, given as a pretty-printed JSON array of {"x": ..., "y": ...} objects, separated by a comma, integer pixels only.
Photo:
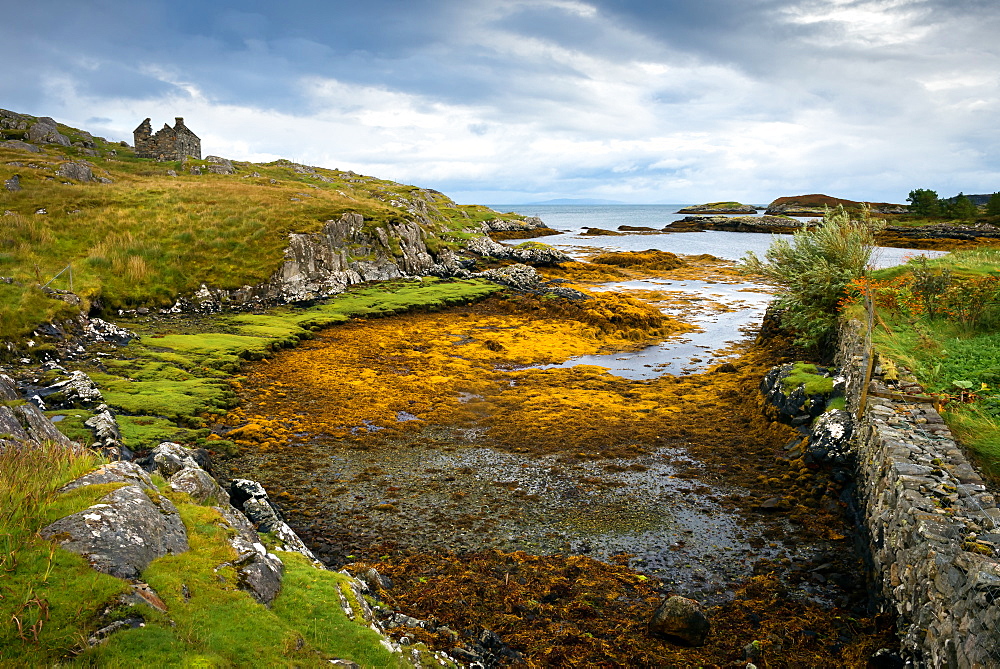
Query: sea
[{"x": 572, "y": 220}]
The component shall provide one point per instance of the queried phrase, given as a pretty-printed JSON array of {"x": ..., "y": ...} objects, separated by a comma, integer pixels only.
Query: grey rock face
[
  {"x": 79, "y": 390},
  {"x": 259, "y": 572},
  {"x": 45, "y": 131},
  {"x": 12, "y": 120},
  {"x": 27, "y": 423},
  {"x": 680, "y": 619},
  {"x": 251, "y": 498},
  {"x": 108, "y": 434},
  {"x": 8, "y": 389},
  {"x": 123, "y": 533},
  {"x": 501, "y": 225}
]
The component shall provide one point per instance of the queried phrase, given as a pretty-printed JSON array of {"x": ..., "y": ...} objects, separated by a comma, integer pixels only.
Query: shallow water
[{"x": 723, "y": 313}]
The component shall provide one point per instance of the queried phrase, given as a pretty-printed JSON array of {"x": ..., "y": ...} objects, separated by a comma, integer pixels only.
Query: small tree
[
  {"x": 924, "y": 202},
  {"x": 962, "y": 208},
  {"x": 993, "y": 206},
  {"x": 812, "y": 271}
]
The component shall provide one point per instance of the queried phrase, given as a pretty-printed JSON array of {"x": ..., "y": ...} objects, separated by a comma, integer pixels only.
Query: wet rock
[
  {"x": 795, "y": 406},
  {"x": 681, "y": 619},
  {"x": 376, "y": 581},
  {"x": 123, "y": 533},
  {"x": 830, "y": 441},
  {"x": 773, "y": 504}
]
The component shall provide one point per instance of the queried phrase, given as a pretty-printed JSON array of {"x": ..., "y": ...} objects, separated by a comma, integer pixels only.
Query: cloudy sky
[{"x": 512, "y": 101}]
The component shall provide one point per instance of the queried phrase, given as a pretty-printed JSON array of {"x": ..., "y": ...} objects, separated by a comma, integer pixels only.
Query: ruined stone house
[{"x": 168, "y": 143}]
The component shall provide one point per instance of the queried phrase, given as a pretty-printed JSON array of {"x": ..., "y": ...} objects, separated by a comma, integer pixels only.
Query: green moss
[
  {"x": 71, "y": 424},
  {"x": 803, "y": 373}
]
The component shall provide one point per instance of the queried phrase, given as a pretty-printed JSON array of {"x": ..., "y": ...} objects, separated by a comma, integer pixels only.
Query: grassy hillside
[{"x": 148, "y": 237}]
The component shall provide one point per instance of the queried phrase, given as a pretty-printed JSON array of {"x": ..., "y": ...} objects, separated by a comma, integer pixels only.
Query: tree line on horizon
[{"x": 925, "y": 202}]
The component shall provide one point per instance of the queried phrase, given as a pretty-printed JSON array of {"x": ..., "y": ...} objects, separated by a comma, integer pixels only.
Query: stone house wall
[
  {"x": 933, "y": 527},
  {"x": 167, "y": 143}
]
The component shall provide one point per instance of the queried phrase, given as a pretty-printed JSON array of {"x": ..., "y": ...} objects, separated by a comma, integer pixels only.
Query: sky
[{"x": 511, "y": 101}]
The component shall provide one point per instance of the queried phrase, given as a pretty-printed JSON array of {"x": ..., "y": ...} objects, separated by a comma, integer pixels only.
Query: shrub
[{"x": 814, "y": 269}]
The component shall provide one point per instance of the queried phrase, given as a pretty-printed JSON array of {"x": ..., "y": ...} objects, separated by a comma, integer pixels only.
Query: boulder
[
  {"x": 220, "y": 165},
  {"x": 27, "y": 423},
  {"x": 45, "y": 131},
  {"x": 795, "y": 406},
  {"x": 196, "y": 482},
  {"x": 169, "y": 458},
  {"x": 13, "y": 184},
  {"x": 107, "y": 433},
  {"x": 78, "y": 171},
  {"x": 521, "y": 277},
  {"x": 77, "y": 391},
  {"x": 21, "y": 146},
  {"x": 114, "y": 472},
  {"x": 680, "y": 619},
  {"x": 830, "y": 441},
  {"x": 8, "y": 389},
  {"x": 251, "y": 498},
  {"x": 123, "y": 533}
]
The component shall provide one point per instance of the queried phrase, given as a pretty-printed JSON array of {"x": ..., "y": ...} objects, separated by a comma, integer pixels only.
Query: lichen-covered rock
[
  {"x": 76, "y": 391},
  {"x": 26, "y": 423},
  {"x": 13, "y": 184},
  {"x": 196, "y": 482},
  {"x": 21, "y": 146},
  {"x": 8, "y": 389},
  {"x": 220, "y": 165},
  {"x": 521, "y": 277},
  {"x": 107, "y": 434},
  {"x": 681, "y": 619},
  {"x": 123, "y": 533},
  {"x": 169, "y": 458},
  {"x": 114, "y": 472}
]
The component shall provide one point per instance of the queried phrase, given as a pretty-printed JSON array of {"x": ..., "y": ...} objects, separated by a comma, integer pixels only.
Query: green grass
[
  {"x": 51, "y": 601},
  {"x": 948, "y": 355}
]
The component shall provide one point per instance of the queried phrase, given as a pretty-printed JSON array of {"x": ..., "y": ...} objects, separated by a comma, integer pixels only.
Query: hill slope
[{"x": 132, "y": 232}]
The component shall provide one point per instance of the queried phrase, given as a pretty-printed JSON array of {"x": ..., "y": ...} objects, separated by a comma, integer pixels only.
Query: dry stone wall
[{"x": 933, "y": 526}]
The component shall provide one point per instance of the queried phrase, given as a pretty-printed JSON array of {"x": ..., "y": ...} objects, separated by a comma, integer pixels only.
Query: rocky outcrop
[
  {"x": 127, "y": 529},
  {"x": 766, "y": 223},
  {"x": 794, "y": 404},
  {"x": 719, "y": 208},
  {"x": 45, "y": 131},
  {"x": 220, "y": 165},
  {"x": 23, "y": 422}
]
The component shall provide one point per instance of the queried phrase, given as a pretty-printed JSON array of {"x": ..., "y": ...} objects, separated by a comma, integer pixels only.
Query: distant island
[{"x": 728, "y": 207}]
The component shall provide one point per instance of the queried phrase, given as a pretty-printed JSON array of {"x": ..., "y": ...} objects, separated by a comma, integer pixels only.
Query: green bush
[{"x": 813, "y": 270}]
